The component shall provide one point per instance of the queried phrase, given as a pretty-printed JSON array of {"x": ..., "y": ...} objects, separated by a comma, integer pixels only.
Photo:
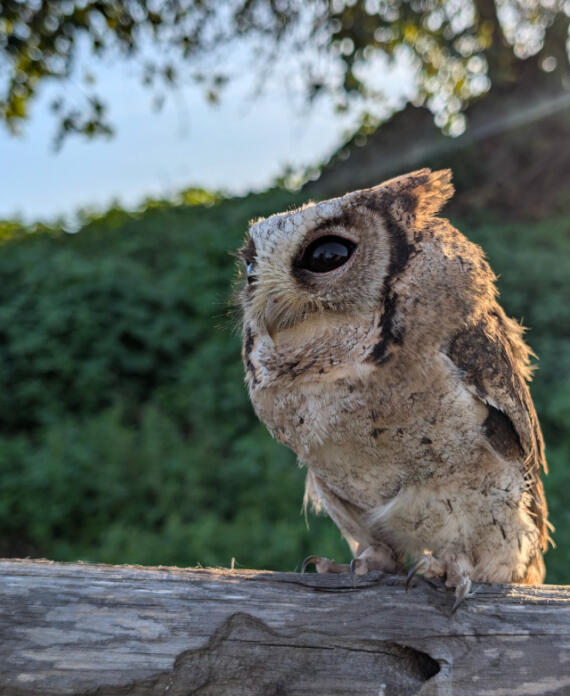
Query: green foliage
[
  {"x": 126, "y": 434},
  {"x": 100, "y": 489}
]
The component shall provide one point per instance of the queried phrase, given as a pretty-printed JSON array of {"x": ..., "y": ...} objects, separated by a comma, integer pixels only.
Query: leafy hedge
[{"x": 126, "y": 434}]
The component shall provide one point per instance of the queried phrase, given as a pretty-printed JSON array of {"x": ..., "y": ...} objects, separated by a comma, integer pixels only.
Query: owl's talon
[
  {"x": 461, "y": 592},
  {"x": 420, "y": 567},
  {"x": 353, "y": 576},
  {"x": 358, "y": 566},
  {"x": 309, "y": 561},
  {"x": 324, "y": 565}
]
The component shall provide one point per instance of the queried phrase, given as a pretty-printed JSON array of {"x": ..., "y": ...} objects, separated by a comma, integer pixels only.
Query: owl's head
[{"x": 333, "y": 258}]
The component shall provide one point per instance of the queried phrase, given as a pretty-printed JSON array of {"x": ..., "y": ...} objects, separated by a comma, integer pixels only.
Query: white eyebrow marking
[{"x": 307, "y": 217}]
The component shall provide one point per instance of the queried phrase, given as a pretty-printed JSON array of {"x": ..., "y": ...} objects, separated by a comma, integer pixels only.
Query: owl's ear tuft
[
  {"x": 434, "y": 192},
  {"x": 420, "y": 194}
]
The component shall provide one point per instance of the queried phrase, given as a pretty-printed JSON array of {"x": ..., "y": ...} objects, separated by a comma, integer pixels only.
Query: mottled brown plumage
[{"x": 375, "y": 348}]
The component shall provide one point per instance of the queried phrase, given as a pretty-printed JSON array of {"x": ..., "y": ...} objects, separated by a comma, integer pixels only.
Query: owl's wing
[{"x": 494, "y": 363}]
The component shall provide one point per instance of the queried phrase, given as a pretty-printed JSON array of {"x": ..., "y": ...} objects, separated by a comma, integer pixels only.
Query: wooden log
[{"x": 112, "y": 630}]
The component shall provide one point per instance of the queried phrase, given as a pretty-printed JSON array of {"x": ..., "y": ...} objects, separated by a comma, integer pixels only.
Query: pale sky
[{"x": 240, "y": 145}]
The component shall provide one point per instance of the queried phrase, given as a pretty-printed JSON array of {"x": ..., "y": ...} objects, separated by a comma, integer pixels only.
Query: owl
[{"x": 375, "y": 348}]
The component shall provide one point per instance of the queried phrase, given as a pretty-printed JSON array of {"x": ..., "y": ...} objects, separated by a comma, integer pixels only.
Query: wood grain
[{"x": 111, "y": 630}]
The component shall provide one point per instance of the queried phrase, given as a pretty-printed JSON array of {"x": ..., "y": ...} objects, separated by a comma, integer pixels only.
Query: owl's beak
[
  {"x": 273, "y": 335},
  {"x": 280, "y": 314},
  {"x": 271, "y": 319}
]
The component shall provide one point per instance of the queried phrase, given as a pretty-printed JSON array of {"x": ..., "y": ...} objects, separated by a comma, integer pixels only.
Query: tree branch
[{"x": 77, "y": 629}]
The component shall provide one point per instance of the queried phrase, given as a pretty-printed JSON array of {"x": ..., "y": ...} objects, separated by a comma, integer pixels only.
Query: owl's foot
[
  {"x": 456, "y": 569},
  {"x": 324, "y": 565},
  {"x": 428, "y": 566},
  {"x": 377, "y": 557}
]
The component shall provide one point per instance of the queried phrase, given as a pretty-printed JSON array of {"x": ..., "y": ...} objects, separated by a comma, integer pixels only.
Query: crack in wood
[
  {"x": 218, "y": 668},
  {"x": 279, "y": 668}
]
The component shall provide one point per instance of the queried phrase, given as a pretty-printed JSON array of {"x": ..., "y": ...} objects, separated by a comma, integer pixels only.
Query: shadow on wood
[{"x": 113, "y": 630}]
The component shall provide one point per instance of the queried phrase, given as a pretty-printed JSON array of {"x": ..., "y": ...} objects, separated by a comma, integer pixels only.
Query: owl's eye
[
  {"x": 250, "y": 270},
  {"x": 326, "y": 253}
]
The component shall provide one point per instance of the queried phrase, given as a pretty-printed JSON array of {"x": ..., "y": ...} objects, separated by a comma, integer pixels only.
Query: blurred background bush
[{"x": 126, "y": 435}]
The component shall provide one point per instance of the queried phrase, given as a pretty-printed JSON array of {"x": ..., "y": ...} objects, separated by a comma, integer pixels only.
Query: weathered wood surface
[{"x": 110, "y": 630}]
